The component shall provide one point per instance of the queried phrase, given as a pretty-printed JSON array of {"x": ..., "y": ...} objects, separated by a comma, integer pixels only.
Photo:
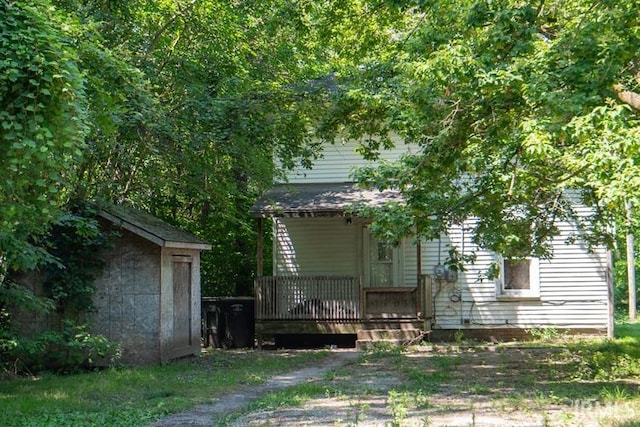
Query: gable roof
[
  {"x": 151, "y": 228},
  {"x": 326, "y": 199}
]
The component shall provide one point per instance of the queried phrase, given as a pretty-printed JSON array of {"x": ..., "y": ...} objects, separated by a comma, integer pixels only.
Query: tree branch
[
  {"x": 628, "y": 97},
  {"x": 156, "y": 36}
]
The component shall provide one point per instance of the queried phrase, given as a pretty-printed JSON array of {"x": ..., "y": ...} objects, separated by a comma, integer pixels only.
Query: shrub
[{"x": 68, "y": 350}]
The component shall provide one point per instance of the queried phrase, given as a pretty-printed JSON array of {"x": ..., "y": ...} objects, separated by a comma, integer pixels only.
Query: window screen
[{"x": 516, "y": 274}]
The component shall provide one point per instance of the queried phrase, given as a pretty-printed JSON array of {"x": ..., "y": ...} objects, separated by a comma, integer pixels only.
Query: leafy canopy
[{"x": 517, "y": 108}]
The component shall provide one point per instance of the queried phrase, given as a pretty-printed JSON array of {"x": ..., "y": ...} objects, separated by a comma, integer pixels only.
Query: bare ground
[{"x": 439, "y": 386}]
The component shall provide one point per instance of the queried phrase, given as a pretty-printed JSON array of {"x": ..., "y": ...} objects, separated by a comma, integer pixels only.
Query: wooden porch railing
[{"x": 330, "y": 298}]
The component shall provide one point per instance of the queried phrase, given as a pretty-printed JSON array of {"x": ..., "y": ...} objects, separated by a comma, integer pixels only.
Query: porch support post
[
  {"x": 260, "y": 245},
  {"x": 421, "y": 294},
  {"x": 419, "y": 257}
]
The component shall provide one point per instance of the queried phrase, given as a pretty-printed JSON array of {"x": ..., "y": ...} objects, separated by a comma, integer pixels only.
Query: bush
[
  {"x": 68, "y": 284},
  {"x": 68, "y": 350}
]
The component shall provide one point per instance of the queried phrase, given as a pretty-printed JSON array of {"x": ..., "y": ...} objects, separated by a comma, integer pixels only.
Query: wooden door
[
  {"x": 182, "y": 333},
  {"x": 381, "y": 262}
]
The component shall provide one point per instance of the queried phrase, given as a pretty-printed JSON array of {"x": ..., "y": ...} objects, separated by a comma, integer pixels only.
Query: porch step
[
  {"x": 389, "y": 334},
  {"x": 369, "y": 338}
]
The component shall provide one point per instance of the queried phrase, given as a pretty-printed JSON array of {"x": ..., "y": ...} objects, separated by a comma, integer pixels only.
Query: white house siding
[
  {"x": 315, "y": 246},
  {"x": 573, "y": 289},
  {"x": 573, "y": 285},
  {"x": 339, "y": 160}
]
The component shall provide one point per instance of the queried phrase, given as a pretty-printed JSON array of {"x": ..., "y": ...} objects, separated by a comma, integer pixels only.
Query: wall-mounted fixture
[
  {"x": 441, "y": 272},
  {"x": 450, "y": 275}
]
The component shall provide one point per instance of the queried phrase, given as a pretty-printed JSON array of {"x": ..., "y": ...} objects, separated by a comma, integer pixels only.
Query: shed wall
[
  {"x": 177, "y": 338},
  {"x": 127, "y": 298}
]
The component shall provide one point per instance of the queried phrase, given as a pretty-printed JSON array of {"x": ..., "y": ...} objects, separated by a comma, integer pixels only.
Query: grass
[
  {"x": 135, "y": 396},
  {"x": 573, "y": 375},
  {"x": 561, "y": 373},
  {"x": 628, "y": 331}
]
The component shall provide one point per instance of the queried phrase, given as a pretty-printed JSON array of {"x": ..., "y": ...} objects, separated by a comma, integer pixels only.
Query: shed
[{"x": 148, "y": 296}]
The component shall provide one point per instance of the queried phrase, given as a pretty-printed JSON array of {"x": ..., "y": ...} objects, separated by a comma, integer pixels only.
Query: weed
[
  {"x": 387, "y": 347},
  {"x": 615, "y": 394},
  {"x": 360, "y": 410},
  {"x": 604, "y": 363},
  {"x": 545, "y": 334},
  {"x": 398, "y": 404},
  {"x": 421, "y": 400},
  {"x": 423, "y": 380},
  {"x": 479, "y": 389},
  {"x": 446, "y": 362},
  {"x": 292, "y": 396},
  {"x": 458, "y": 336}
]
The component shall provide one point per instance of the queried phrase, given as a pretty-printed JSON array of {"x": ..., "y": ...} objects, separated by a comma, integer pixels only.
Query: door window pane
[{"x": 380, "y": 264}]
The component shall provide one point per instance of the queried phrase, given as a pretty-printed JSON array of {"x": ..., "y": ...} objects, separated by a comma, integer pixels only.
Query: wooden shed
[{"x": 148, "y": 296}]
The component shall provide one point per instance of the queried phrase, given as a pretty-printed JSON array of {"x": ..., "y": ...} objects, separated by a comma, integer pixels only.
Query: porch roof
[{"x": 326, "y": 199}]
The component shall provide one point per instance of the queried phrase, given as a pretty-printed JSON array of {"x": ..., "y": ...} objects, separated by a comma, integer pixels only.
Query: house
[
  {"x": 331, "y": 276},
  {"x": 148, "y": 296}
]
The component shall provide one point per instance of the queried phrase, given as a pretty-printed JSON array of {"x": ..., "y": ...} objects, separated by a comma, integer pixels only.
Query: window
[{"x": 519, "y": 278}]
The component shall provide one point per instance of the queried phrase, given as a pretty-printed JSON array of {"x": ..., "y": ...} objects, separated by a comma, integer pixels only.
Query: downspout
[{"x": 610, "y": 322}]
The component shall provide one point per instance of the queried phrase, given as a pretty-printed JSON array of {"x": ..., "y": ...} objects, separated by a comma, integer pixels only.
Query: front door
[
  {"x": 386, "y": 296},
  {"x": 381, "y": 262}
]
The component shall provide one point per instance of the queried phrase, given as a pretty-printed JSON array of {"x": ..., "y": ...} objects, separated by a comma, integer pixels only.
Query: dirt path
[
  {"x": 449, "y": 386},
  {"x": 434, "y": 386},
  {"x": 208, "y": 415}
]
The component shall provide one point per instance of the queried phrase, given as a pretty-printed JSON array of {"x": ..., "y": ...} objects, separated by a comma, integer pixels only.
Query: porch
[{"x": 341, "y": 305}]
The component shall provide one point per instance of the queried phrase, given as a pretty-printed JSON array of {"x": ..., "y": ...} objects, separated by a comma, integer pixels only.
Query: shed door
[{"x": 181, "y": 301}]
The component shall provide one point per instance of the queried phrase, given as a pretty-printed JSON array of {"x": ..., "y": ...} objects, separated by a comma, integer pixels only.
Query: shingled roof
[
  {"x": 151, "y": 228},
  {"x": 299, "y": 200}
]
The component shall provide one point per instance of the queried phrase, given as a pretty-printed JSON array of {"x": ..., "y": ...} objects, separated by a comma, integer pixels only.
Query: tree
[
  {"x": 515, "y": 105},
  {"x": 42, "y": 126}
]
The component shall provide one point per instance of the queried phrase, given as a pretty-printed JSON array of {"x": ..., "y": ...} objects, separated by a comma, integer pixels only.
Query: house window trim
[{"x": 533, "y": 293}]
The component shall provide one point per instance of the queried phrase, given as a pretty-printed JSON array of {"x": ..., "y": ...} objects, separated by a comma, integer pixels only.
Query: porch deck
[{"x": 337, "y": 305}]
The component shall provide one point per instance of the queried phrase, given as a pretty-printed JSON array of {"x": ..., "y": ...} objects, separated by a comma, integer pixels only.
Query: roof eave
[{"x": 297, "y": 214}]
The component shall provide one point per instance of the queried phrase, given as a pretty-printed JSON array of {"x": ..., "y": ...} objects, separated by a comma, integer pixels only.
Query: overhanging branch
[{"x": 627, "y": 96}]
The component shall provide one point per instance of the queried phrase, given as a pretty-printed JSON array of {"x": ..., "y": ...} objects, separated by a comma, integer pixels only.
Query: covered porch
[{"x": 331, "y": 276}]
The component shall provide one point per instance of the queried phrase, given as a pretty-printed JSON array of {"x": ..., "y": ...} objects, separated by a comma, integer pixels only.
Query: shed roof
[
  {"x": 152, "y": 228},
  {"x": 326, "y": 199}
]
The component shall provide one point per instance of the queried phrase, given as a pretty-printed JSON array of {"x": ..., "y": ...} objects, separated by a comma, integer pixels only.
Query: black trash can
[
  {"x": 228, "y": 322},
  {"x": 240, "y": 322},
  {"x": 213, "y": 327}
]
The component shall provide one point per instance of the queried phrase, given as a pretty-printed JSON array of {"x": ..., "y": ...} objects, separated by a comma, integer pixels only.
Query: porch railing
[{"x": 330, "y": 298}]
